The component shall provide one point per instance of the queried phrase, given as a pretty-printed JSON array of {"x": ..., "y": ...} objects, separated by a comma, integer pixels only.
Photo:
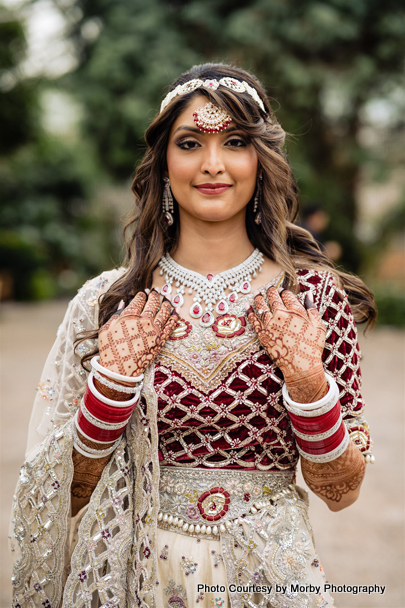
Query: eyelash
[{"x": 183, "y": 143}]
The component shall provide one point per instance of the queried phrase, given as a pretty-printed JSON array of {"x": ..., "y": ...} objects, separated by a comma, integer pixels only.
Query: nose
[{"x": 213, "y": 162}]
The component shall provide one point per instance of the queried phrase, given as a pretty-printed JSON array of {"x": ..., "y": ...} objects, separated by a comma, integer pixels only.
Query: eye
[
  {"x": 236, "y": 142},
  {"x": 187, "y": 144}
]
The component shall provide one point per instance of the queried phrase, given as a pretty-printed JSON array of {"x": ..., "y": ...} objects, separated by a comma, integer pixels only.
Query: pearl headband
[{"x": 212, "y": 85}]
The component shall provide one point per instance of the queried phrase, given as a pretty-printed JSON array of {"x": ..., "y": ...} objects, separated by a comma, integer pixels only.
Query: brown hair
[{"x": 281, "y": 240}]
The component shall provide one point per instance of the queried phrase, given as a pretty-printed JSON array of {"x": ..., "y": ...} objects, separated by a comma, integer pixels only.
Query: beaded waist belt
[{"x": 205, "y": 502}]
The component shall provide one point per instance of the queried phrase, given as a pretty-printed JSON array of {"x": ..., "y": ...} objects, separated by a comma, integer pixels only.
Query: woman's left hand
[{"x": 294, "y": 337}]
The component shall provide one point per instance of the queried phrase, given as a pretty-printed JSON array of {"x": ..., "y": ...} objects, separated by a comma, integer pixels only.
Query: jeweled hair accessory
[
  {"x": 211, "y": 118},
  {"x": 212, "y": 85}
]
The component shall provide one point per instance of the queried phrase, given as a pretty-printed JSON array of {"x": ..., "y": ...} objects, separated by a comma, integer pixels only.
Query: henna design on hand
[
  {"x": 294, "y": 338},
  {"x": 130, "y": 342},
  {"x": 87, "y": 473},
  {"x": 332, "y": 480}
]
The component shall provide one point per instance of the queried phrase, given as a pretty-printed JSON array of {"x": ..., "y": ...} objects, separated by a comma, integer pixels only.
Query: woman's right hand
[{"x": 132, "y": 339}]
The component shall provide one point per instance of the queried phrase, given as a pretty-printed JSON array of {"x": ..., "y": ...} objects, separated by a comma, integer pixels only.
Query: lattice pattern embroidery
[{"x": 243, "y": 423}]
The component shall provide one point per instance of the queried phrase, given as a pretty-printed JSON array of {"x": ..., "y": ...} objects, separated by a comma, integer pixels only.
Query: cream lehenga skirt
[{"x": 235, "y": 539}]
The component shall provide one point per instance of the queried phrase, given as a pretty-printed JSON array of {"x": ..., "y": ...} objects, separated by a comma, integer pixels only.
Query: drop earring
[
  {"x": 167, "y": 203},
  {"x": 258, "y": 215}
]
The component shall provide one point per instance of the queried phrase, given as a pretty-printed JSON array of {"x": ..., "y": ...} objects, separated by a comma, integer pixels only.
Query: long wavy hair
[{"x": 278, "y": 237}]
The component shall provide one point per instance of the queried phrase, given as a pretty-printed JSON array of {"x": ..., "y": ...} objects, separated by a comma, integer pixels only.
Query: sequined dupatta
[
  {"x": 114, "y": 560},
  {"x": 115, "y": 555}
]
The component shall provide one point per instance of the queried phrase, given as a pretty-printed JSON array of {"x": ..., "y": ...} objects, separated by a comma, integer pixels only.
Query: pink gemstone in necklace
[
  {"x": 207, "y": 319},
  {"x": 233, "y": 297},
  {"x": 210, "y": 276},
  {"x": 178, "y": 300},
  {"x": 245, "y": 287},
  {"x": 196, "y": 310},
  {"x": 222, "y": 307},
  {"x": 166, "y": 289}
]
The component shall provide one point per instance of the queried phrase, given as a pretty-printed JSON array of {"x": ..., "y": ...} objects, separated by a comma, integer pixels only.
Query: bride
[{"x": 183, "y": 388}]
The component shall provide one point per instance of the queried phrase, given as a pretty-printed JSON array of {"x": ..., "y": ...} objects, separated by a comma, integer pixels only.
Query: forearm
[
  {"x": 88, "y": 471},
  {"x": 336, "y": 482}
]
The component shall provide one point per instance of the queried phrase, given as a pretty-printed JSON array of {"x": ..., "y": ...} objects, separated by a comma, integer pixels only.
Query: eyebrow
[{"x": 196, "y": 130}]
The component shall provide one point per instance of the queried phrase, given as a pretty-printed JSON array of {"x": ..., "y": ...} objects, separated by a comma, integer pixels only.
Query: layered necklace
[{"x": 210, "y": 289}]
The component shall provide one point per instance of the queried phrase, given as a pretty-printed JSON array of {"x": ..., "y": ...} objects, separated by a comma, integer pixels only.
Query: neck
[{"x": 212, "y": 247}]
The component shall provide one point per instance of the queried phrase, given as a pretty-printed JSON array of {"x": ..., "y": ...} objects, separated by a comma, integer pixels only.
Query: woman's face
[{"x": 212, "y": 176}]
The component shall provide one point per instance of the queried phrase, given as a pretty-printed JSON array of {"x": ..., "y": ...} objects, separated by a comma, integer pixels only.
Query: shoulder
[
  {"x": 95, "y": 287},
  {"x": 86, "y": 302}
]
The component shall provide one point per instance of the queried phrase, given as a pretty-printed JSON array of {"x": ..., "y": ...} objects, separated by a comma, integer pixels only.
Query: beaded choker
[{"x": 210, "y": 289}]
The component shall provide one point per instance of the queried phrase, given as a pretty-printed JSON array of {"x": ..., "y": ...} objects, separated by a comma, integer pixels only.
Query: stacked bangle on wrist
[
  {"x": 100, "y": 419},
  {"x": 318, "y": 427}
]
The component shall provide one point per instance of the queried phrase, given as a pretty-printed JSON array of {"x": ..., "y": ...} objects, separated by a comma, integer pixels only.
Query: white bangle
[
  {"x": 329, "y": 455},
  {"x": 93, "y": 452},
  {"x": 110, "y": 374},
  {"x": 116, "y": 387},
  {"x": 112, "y": 402},
  {"x": 88, "y": 455},
  {"x": 316, "y": 408}
]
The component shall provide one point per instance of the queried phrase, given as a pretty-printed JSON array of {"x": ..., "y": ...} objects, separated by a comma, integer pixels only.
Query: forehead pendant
[{"x": 211, "y": 118}]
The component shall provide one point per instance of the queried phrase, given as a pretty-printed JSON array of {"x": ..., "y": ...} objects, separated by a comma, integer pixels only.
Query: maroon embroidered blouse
[{"x": 219, "y": 394}]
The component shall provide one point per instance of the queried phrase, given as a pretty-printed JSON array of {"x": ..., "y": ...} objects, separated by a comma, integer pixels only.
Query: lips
[{"x": 217, "y": 188}]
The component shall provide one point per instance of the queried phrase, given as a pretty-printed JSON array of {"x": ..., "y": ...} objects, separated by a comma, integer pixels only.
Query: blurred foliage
[
  {"x": 48, "y": 230},
  {"x": 391, "y": 307},
  {"x": 18, "y": 103},
  {"x": 322, "y": 63}
]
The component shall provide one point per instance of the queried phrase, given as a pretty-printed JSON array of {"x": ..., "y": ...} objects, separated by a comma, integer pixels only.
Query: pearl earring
[
  {"x": 167, "y": 203},
  {"x": 258, "y": 218}
]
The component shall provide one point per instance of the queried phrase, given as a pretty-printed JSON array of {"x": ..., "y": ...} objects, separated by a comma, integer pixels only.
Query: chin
[{"x": 217, "y": 216}]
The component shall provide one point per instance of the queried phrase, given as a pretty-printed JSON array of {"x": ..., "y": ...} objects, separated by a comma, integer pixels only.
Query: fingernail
[
  {"x": 256, "y": 293},
  {"x": 309, "y": 301},
  {"x": 121, "y": 305},
  {"x": 147, "y": 290}
]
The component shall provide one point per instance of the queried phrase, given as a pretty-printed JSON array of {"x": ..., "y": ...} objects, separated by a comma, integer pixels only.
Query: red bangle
[
  {"x": 105, "y": 412},
  {"x": 325, "y": 445},
  {"x": 317, "y": 424},
  {"x": 94, "y": 432}
]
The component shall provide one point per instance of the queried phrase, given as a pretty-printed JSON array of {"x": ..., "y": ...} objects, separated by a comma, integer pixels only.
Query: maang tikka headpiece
[{"x": 211, "y": 118}]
